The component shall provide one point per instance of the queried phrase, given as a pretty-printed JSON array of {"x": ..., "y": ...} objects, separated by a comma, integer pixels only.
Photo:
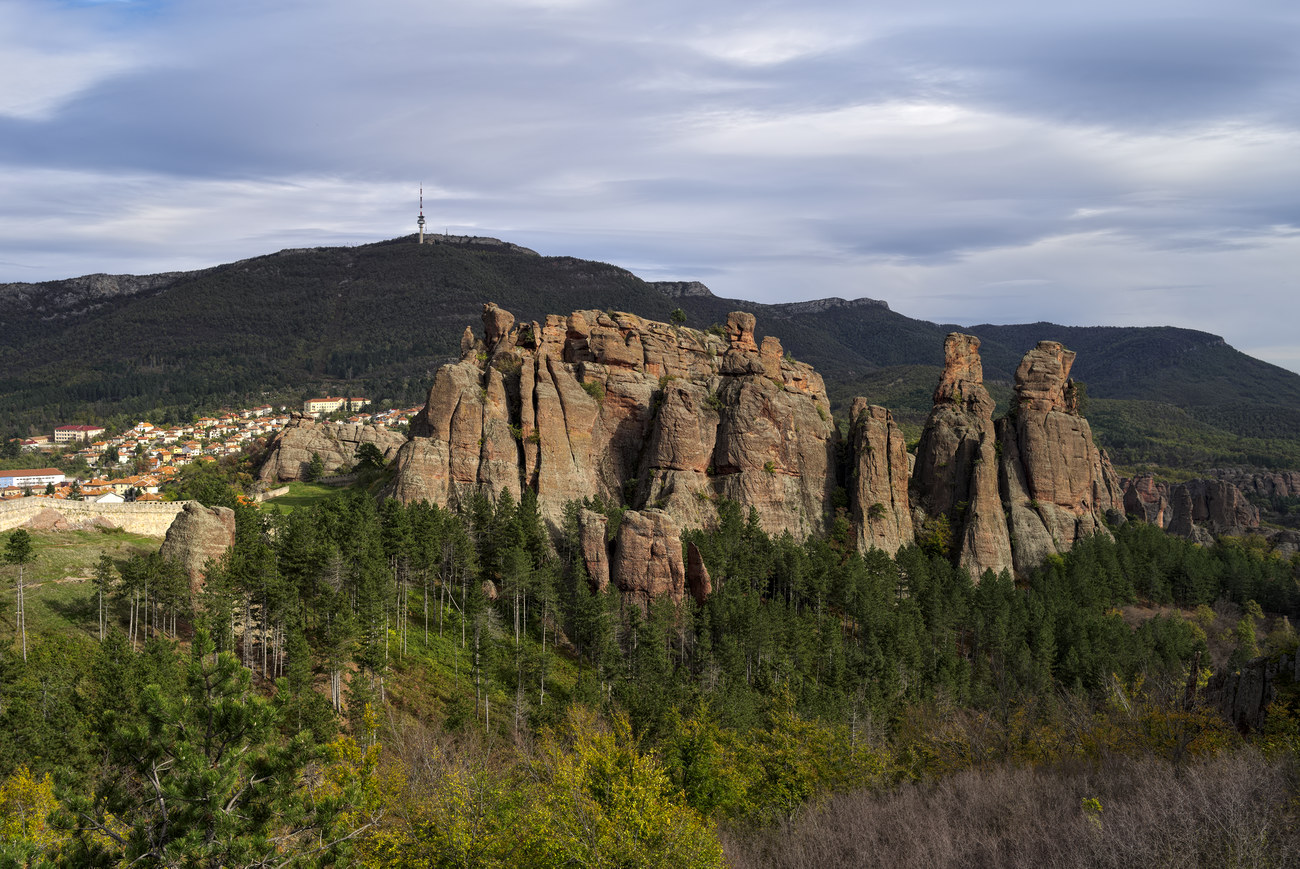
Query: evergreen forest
[{"x": 362, "y": 683}]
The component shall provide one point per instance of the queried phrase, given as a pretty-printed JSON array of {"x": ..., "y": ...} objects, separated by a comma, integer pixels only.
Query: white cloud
[
  {"x": 769, "y": 45},
  {"x": 50, "y": 56},
  {"x": 964, "y": 163}
]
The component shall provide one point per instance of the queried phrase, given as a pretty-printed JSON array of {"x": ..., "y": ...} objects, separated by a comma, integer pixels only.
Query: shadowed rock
[
  {"x": 956, "y": 462},
  {"x": 1057, "y": 485},
  {"x": 197, "y": 534}
]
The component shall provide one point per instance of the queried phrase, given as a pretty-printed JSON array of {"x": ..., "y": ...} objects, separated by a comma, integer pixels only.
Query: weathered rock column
[
  {"x": 1056, "y": 483},
  {"x": 882, "y": 513},
  {"x": 956, "y": 462}
]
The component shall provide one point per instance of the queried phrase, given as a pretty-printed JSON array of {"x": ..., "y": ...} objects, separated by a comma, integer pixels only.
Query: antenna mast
[{"x": 420, "y": 221}]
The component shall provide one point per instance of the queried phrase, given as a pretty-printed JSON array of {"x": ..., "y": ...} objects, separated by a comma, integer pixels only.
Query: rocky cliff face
[
  {"x": 197, "y": 534},
  {"x": 957, "y": 463},
  {"x": 634, "y": 411},
  {"x": 290, "y": 452},
  {"x": 878, "y": 480},
  {"x": 1056, "y": 484},
  {"x": 660, "y": 418},
  {"x": 1197, "y": 509}
]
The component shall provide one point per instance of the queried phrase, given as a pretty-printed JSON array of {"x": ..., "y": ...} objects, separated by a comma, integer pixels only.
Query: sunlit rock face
[
  {"x": 956, "y": 471},
  {"x": 608, "y": 405},
  {"x": 1057, "y": 485}
]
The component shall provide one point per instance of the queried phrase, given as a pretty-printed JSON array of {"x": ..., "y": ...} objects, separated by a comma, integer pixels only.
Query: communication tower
[{"x": 420, "y": 221}]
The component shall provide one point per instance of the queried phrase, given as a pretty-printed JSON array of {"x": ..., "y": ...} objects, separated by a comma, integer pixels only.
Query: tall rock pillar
[
  {"x": 1056, "y": 483},
  {"x": 882, "y": 515},
  {"x": 956, "y": 463}
]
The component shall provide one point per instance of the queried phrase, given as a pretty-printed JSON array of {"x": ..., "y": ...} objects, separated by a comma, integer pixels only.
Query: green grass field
[
  {"x": 59, "y": 593},
  {"x": 300, "y": 495}
]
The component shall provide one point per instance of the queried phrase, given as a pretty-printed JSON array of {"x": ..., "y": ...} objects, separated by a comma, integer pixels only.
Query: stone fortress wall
[{"x": 151, "y": 518}]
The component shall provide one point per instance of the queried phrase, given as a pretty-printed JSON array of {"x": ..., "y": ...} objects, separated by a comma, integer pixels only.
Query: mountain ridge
[{"x": 382, "y": 317}]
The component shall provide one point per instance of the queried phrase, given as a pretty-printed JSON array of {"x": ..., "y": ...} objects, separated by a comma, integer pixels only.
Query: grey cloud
[
  {"x": 1127, "y": 72},
  {"x": 576, "y": 130}
]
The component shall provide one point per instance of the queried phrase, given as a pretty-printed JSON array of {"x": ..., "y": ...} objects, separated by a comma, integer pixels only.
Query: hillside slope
[{"x": 381, "y": 318}]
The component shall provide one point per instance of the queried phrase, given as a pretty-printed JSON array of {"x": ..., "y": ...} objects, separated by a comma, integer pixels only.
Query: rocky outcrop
[
  {"x": 1056, "y": 484},
  {"x": 648, "y": 557},
  {"x": 666, "y": 421},
  {"x": 698, "y": 580},
  {"x": 290, "y": 452},
  {"x": 1263, "y": 484},
  {"x": 1221, "y": 507},
  {"x": 593, "y": 529},
  {"x": 1197, "y": 509},
  {"x": 957, "y": 463},
  {"x": 1147, "y": 500},
  {"x": 1243, "y": 695},
  {"x": 878, "y": 479},
  {"x": 197, "y": 534},
  {"x": 662, "y": 419},
  {"x": 1019, "y": 490},
  {"x": 650, "y": 415}
]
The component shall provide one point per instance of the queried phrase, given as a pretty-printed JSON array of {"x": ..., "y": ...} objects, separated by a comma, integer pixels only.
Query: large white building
[
  {"x": 66, "y": 434},
  {"x": 331, "y": 404},
  {"x": 31, "y": 478}
]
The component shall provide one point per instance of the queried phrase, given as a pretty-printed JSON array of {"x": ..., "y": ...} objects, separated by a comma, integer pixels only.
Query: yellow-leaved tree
[
  {"x": 603, "y": 802},
  {"x": 25, "y": 805}
]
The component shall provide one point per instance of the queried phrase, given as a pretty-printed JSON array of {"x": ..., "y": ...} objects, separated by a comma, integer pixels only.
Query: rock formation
[
  {"x": 648, "y": 557},
  {"x": 290, "y": 452},
  {"x": 592, "y": 531},
  {"x": 1147, "y": 500},
  {"x": 1221, "y": 507},
  {"x": 1197, "y": 509},
  {"x": 666, "y": 421},
  {"x": 882, "y": 515},
  {"x": 1243, "y": 695},
  {"x": 957, "y": 463},
  {"x": 646, "y": 414},
  {"x": 1056, "y": 484},
  {"x": 1264, "y": 484},
  {"x": 698, "y": 581},
  {"x": 197, "y": 534},
  {"x": 661, "y": 418}
]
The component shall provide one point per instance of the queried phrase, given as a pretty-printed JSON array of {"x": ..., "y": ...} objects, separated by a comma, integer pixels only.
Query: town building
[
  {"x": 67, "y": 434},
  {"x": 331, "y": 403},
  {"x": 29, "y": 478}
]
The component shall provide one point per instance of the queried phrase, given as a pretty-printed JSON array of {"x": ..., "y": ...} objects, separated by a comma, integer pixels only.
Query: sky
[{"x": 1131, "y": 163}]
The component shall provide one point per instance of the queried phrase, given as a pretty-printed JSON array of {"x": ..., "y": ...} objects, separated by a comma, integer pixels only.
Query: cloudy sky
[{"x": 1137, "y": 162}]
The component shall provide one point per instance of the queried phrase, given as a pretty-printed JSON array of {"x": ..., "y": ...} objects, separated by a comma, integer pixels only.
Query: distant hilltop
[{"x": 379, "y": 319}]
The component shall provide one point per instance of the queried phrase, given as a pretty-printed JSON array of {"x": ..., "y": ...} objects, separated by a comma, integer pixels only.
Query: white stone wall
[{"x": 151, "y": 518}]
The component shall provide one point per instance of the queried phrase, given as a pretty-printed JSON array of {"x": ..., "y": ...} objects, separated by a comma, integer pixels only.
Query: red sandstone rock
[
  {"x": 592, "y": 532},
  {"x": 697, "y": 575},
  {"x": 956, "y": 462},
  {"x": 882, "y": 514},
  {"x": 1056, "y": 484},
  {"x": 196, "y": 535},
  {"x": 648, "y": 557}
]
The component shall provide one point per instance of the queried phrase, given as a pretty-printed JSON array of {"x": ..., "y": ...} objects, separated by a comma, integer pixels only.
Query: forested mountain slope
[{"x": 379, "y": 319}]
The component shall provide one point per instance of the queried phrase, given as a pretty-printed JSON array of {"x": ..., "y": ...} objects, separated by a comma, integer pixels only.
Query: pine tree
[{"x": 19, "y": 551}]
